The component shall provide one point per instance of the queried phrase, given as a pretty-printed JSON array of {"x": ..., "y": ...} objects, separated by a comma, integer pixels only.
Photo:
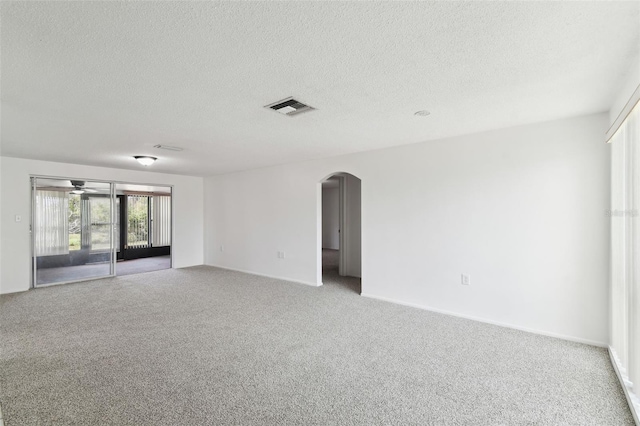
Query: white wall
[
  {"x": 353, "y": 234},
  {"x": 628, "y": 84},
  {"x": 187, "y": 247},
  {"x": 522, "y": 210},
  {"x": 330, "y": 218}
]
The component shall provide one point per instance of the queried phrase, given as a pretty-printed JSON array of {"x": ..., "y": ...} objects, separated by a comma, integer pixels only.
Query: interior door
[{"x": 73, "y": 236}]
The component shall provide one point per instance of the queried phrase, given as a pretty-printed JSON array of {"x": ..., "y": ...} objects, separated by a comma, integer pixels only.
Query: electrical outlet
[
  {"x": 18, "y": 218},
  {"x": 280, "y": 255},
  {"x": 221, "y": 247},
  {"x": 466, "y": 279}
]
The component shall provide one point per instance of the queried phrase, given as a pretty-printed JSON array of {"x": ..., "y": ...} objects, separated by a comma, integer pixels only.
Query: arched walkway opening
[{"x": 340, "y": 232}]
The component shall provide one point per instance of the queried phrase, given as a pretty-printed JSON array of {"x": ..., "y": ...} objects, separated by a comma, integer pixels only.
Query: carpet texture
[{"x": 206, "y": 346}]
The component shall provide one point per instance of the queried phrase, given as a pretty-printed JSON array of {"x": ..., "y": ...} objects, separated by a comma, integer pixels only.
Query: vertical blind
[
  {"x": 145, "y": 213},
  {"x": 161, "y": 222},
  {"x": 149, "y": 221},
  {"x": 52, "y": 223},
  {"x": 625, "y": 253}
]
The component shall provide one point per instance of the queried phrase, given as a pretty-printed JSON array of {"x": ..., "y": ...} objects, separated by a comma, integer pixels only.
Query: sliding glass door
[
  {"x": 145, "y": 225},
  {"x": 72, "y": 230}
]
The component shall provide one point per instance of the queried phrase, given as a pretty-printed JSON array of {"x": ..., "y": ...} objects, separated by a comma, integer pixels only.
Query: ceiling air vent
[
  {"x": 289, "y": 106},
  {"x": 170, "y": 148}
]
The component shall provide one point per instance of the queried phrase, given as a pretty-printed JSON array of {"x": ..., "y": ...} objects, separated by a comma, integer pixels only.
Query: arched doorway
[{"x": 340, "y": 260}]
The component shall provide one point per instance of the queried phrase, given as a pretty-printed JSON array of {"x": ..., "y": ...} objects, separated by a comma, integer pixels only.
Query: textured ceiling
[{"x": 98, "y": 82}]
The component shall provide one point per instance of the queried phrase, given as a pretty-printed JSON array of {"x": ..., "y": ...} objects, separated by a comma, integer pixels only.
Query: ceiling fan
[{"x": 78, "y": 187}]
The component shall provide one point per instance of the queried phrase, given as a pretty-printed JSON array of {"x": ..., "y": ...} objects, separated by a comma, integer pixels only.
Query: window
[
  {"x": 52, "y": 228},
  {"x": 625, "y": 253}
]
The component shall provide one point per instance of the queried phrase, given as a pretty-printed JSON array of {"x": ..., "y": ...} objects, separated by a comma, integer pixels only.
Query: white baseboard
[
  {"x": 488, "y": 321},
  {"x": 627, "y": 386},
  {"x": 244, "y": 271},
  {"x": 22, "y": 290}
]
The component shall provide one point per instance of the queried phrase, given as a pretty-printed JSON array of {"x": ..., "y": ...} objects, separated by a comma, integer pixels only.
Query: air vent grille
[
  {"x": 289, "y": 107},
  {"x": 167, "y": 147}
]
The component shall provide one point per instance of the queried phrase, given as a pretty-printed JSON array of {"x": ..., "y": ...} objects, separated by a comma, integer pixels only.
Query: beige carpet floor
[{"x": 206, "y": 346}]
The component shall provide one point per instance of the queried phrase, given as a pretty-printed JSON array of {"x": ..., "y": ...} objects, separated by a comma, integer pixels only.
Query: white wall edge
[
  {"x": 632, "y": 399},
  {"x": 244, "y": 271},
  {"x": 487, "y": 321},
  {"x": 172, "y": 267},
  {"x": 626, "y": 110},
  {"x": 14, "y": 292}
]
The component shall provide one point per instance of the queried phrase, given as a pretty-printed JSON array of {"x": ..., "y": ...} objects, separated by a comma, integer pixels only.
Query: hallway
[{"x": 331, "y": 277}]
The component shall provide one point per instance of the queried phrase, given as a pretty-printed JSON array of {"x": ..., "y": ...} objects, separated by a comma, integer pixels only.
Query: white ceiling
[{"x": 98, "y": 82}]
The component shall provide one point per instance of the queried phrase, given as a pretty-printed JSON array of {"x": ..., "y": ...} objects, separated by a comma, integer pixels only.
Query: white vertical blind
[
  {"x": 52, "y": 223},
  {"x": 625, "y": 253},
  {"x": 161, "y": 213},
  {"x": 632, "y": 143}
]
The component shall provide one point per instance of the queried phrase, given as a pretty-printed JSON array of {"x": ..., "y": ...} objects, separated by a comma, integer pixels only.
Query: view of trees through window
[
  {"x": 74, "y": 222},
  {"x": 138, "y": 209},
  {"x": 100, "y": 220},
  {"x": 138, "y": 221}
]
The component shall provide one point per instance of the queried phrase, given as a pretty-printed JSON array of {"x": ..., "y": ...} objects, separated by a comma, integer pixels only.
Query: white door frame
[
  {"x": 343, "y": 227},
  {"x": 343, "y": 223}
]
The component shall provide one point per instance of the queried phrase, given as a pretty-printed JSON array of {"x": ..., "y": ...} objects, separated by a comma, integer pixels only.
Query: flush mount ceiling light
[
  {"x": 422, "y": 113},
  {"x": 145, "y": 160},
  {"x": 289, "y": 106}
]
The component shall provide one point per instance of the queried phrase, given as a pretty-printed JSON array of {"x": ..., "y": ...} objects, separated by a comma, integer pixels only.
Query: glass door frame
[
  {"x": 113, "y": 219},
  {"x": 34, "y": 219},
  {"x": 150, "y": 248}
]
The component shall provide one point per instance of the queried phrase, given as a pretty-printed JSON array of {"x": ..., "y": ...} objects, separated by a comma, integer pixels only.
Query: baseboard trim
[
  {"x": 487, "y": 321},
  {"x": 244, "y": 271},
  {"x": 14, "y": 291},
  {"x": 632, "y": 399}
]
